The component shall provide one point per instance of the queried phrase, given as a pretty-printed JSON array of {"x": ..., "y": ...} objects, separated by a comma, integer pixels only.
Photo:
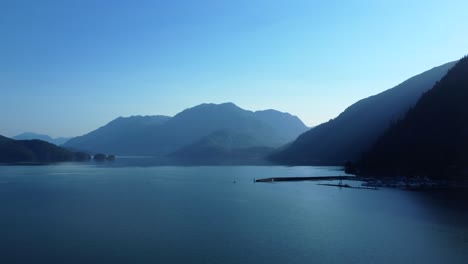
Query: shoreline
[
  {"x": 293, "y": 179},
  {"x": 403, "y": 183}
]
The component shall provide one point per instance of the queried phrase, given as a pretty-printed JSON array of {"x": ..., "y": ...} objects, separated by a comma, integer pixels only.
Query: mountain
[
  {"x": 355, "y": 130},
  {"x": 35, "y": 151},
  {"x": 224, "y": 147},
  {"x": 123, "y": 135},
  {"x": 432, "y": 139},
  {"x": 28, "y": 135},
  {"x": 192, "y": 127},
  {"x": 288, "y": 126}
]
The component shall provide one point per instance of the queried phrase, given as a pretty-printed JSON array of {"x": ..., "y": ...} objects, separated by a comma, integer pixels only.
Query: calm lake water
[{"x": 127, "y": 214}]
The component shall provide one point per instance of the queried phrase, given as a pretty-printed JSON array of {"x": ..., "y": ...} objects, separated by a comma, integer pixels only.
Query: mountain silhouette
[
  {"x": 355, "y": 130},
  {"x": 432, "y": 139},
  {"x": 192, "y": 129},
  {"x": 123, "y": 135}
]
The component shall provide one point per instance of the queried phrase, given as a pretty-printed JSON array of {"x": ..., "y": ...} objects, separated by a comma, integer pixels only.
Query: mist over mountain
[
  {"x": 355, "y": 130},
  {"x": 29, "y": 135},
  {"x": 200, "y": 129},
  {"x": 432, "y": 139},
  {"x": 35, "y": 151}
]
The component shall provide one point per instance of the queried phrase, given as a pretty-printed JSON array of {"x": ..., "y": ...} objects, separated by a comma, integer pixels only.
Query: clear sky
[{"x": 68, "y": 67}]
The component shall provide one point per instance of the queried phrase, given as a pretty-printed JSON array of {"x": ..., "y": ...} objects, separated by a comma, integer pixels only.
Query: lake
[{"x": 118, "y": 213}]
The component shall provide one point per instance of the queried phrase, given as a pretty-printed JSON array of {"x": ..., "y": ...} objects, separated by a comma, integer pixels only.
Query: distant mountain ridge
[
  {"x": 355, "y": 130},
  {"x": 192, "y": 129},
  {"x": 29, "y": 135},
  {"x": 432, "y": 139}
]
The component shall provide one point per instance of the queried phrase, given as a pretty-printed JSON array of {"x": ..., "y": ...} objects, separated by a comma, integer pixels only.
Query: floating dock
[{"x": 295, "y": 179}]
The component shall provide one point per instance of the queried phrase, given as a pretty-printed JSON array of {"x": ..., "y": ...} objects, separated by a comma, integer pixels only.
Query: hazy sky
[{"x": 68, "y": 67}]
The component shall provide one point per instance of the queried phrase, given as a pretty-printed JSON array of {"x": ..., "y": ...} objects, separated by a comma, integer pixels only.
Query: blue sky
[{"x": 68, "y": 67}]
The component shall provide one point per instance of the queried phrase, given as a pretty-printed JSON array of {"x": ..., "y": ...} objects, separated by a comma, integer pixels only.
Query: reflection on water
[{"x": 115, "y": 213}]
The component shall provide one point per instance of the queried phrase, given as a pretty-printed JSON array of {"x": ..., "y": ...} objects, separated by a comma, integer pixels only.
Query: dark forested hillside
[
  {"x": 432, "y": 139},
  {"x": 35, "y": 151},
  {"x": 358, "y": 127}
]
